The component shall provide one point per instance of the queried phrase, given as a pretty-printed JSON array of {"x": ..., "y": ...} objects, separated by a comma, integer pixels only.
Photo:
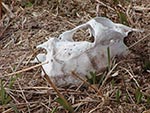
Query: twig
[
  {"x": 18, "y": 105},
  {"x": 140, "y": 8},
  {"x": 125, "y": 87},
  {"x": 8, "y": 10},
  {"x": 127, "y": 13},
  {"x": 0, "y": 9},
  {"x": 105, "y": 5},
  {"x": 46, "y": 106},
  {"x": 77, "y": 105},
  {"x": 130, "y": 96},
  {"x": 27, "y": 69},
  {"x": 24, "y": 97},
  {"x": 131, "y": 76},
  {"x": 98, "y": 91},
  {"x": 1, "y": 34},
  {"x": 97, "y": 10},
  {"x": 20, "y": 62},
  {"x": 107, "y": 76},
  {"x": 110, "y": 109},
  {"x": 94, "y": 109},
  {"x": 54, "y": 87},
  {"x": 139, "y": 41},
  {"x": 56, "y": 90}
]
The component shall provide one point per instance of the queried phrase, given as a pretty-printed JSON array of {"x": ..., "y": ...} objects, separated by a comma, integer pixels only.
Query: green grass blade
[
  {"x": 2, "y": 93},
  {"x": 118, "y": 94},
  {"x": 4, "y": 97},
  {"x": 108, "y": 56},
  {"x": 12, "y": 80},
  {"x": 65, "y": 104},
  {"x": 14, "y": 108},
  {"x": 93, "y": 74},
  {"x": 123, "y": 18},
  {"x": 138, "y": 96},
  {"x": 54, "y": 110}
]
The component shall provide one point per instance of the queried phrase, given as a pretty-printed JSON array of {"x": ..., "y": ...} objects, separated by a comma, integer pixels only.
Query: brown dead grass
[{"x": 30, "y": 26}]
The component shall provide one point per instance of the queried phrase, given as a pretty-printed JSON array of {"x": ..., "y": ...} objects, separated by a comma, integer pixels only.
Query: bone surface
[{"x": 65, "y": 55}]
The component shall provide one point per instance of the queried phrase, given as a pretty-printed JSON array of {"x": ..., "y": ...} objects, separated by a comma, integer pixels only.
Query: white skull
[{"x": 64, "y": 55}]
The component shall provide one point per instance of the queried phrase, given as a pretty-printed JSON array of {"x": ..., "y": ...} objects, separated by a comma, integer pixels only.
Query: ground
[{"x": 25, "y": 24}]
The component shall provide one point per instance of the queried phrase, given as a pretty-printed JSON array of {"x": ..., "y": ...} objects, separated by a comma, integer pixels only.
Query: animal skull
[{"x": 65, "y": 55}]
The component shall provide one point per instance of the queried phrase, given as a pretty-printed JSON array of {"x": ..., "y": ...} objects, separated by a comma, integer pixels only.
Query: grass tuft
[
  {"x": 118, "y": 95},
  {"x": 4, "y": 97},
  {"x": 138, "y": 96},
  {"x": 123, "y": 18}
]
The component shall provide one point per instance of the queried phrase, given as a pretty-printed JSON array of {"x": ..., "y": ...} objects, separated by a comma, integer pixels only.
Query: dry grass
[{"x": 25, "y": 25}]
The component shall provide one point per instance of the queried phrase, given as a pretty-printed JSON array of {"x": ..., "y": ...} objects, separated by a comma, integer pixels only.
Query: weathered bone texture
[{"x": 64, "y": 55}]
